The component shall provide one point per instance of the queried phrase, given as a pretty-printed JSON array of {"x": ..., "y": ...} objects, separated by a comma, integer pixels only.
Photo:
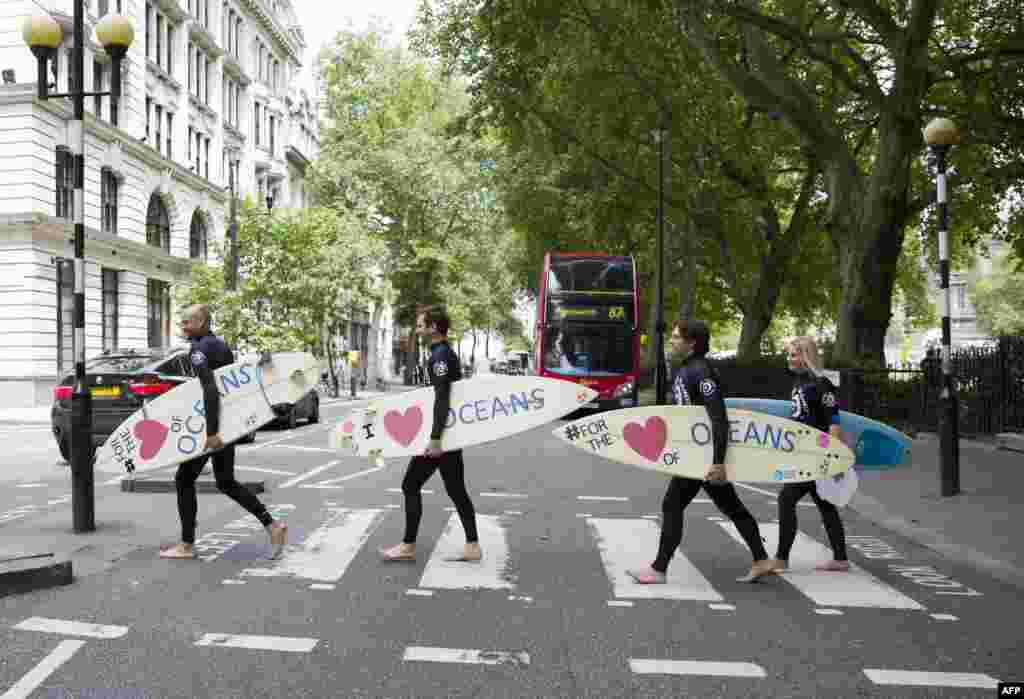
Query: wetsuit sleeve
[
  {"x": 442, "y": 370},
  {"x": 211, "y": 396},
  {"x": 714, "y": 403},
  {"x": 829, "y": 404}
]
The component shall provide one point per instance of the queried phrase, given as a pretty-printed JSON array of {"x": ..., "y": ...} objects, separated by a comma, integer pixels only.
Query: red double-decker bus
[{"x": 587, "y": 329}]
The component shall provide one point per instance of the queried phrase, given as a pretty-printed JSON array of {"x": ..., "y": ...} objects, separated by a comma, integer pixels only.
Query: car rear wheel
[
  {"x": 64, "y": 445},
  {"x": 314, "y": 415},
  {"x": 290, "y": 420}
]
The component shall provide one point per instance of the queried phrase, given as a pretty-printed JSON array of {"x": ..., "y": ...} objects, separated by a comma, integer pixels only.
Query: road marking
[
  {"x": 945, "y": 617},
  {"x": 261, "y": 445},
  {"x": 856, "y": 588},
  {"x": 322, "y": 586},
  {"x": 603, "y": 498},
  {"x": 331, "y": 483},
  {"x": 309, "y": 474},
  {"x": 723, "y": 607},
  {"x": 399, "y": 490},
  {"x": 282, "y": 643},
  {"x": 71, "y": 628},
  {"x": 24, "y": 687},
  {"x": 30, "y": 485},
  {"x": 232, "y": 582},
  {"x": 584, "y": 515},
  {"x": 769, "y": 494},
  {"x": 489, "y": 573},
  {"x": 829, "y": 612},
  {"x": 617, "y": 541},
  {"x": 620, "y": 603},
  {"x": 419, "y": 593},
  {"x": 297, "y": 447},
  {"x": 513, "y": 512},
  {"x": 650, "y": 666},
  {"x": 931, "y": 679},
  {"x": 327, "y": 552},
  {"x": 265, "y": 470},
  {"x": 462, "y": 655},
  {"x": 503, "y": 495}
]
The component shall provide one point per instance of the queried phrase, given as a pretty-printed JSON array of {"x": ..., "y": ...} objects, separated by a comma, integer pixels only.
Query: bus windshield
[{"x": 588, "y": 349}]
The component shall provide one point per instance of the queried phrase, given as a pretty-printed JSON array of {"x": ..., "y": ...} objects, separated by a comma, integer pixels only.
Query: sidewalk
[{"x": 978, "y": 527}]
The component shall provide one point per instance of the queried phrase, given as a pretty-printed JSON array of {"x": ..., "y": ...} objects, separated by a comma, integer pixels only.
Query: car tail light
[
  {"x": 150, "y": 387},
  {"x": 61, "y": 392}
]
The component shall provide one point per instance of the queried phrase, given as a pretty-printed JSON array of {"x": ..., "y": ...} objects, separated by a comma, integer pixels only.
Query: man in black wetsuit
[
  {"x": 696, "y": 383},
  {"x": 443, "y": 369},
  {"x": 207, "y": 354}
]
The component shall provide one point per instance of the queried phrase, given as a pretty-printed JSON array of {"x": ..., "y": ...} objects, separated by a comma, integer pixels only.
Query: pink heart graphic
[
  {"x": 648, "y": 439},
  {"x": 347, "y": 427},
  {"x": 152, "y": 435},
  {"x": 404, "y": 428}
]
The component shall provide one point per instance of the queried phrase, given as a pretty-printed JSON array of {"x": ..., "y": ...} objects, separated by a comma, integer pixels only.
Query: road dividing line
[
  {"x": 297, "y": 447},
  {"x": 328, "y": 550},
  {"x": 465, "y": 655},
  {"x": 503, "y": 495},
  {"x": 856, "y": 588},
  {"x": 281, "y": 643},
  {"x": 490, "y": 572},
  {"x": 603, "y": 498},
  {"x": 648, "y": 666},
  {"x": 24, "y": 687},
  {"x": 309, "y": 474},
  {"x": 260, "y": 469},
  {"x": 616, "y": 540},
  {"x": 71, "y": 628},
  {"x": 331, "y": 483},
  {"x": 931, "y": 679}
]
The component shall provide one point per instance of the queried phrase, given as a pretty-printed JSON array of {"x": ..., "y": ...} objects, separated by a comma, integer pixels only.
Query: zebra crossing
[{"x": 321, "y": 558}]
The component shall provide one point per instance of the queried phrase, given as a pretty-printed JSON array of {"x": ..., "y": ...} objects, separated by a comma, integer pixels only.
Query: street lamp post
[
  {"x": 940, "y": 134},
  {"x": 43, "y": 36},
  {"x": 231, "y": 268},
  {"x": 660, "y": 378}
]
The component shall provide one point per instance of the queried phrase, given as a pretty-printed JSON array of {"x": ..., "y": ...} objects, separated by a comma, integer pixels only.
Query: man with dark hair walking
[
  {"x": 696, "y": 383},
  {"x": 207, "y": 354},
  {"x": 443, "y": 369}
]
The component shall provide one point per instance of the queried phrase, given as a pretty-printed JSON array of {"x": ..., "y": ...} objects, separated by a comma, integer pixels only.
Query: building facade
[{"x": 205, "y": 89}]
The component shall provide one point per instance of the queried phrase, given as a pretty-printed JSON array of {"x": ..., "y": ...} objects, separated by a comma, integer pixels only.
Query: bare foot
[{"x": 180, "y": 551}]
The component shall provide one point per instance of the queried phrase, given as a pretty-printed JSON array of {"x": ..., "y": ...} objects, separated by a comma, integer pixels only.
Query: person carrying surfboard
[
  {"x": 207, "y": 354},
  {"x": 815, "y": 405},
  {"x": 696, "y": 382},
  {"x": 443, "y": 369}
]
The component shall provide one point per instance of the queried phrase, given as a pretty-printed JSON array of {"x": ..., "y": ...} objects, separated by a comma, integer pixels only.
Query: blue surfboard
[{"x": 876, "y": 445}]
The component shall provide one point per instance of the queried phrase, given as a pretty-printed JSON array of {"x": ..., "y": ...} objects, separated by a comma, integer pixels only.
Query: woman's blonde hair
[{"x": 807, "y": 348}]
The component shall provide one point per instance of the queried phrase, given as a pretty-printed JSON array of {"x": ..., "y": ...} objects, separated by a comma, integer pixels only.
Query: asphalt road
[{"x": 548, "y": 613}]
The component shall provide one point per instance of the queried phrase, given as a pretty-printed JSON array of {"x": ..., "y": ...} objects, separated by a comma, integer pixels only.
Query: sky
[{"x": 321, "y": 20}]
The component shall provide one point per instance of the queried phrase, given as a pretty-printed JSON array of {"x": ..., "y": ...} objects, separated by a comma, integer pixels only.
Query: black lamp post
[
  {"x": 43, "y": 36},
  {"x": 231, "y": 268},
  {"x": 940, "y": 134},
  {"x": 660, "y": 378}
]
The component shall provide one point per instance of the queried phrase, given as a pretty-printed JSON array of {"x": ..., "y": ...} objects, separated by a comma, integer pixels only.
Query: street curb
[
  {"x": 203, "y": 485},
  {"x": 37, "y": 572},
  {"x": 872, "y": 509}
]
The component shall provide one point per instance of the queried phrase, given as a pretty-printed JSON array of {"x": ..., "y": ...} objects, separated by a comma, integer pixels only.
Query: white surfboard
[
  {"x": 676, "y": 440},
  {"x": 172, "y": 428},
  {"x": 483, "y": 409}
]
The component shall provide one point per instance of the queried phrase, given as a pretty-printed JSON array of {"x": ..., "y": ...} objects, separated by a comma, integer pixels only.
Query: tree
[{"x": 998, "y": 298}]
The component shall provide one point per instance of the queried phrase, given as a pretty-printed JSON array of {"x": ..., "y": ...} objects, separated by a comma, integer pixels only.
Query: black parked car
[{"x": 120, "y": 382}]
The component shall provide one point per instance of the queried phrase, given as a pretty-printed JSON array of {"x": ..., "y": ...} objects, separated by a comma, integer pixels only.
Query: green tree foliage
[{"x": 998, "y": 298}]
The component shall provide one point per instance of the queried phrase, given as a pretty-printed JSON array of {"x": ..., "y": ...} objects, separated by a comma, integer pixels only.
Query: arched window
[
  {"x": 197, "y": 237},
  {"x": 158, "y": 224}
]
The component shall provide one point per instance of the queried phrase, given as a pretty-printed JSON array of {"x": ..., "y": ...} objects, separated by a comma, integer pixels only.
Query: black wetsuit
[
  {"x": 815, "y": 404},
  {"x": 444, "y": 369},
  {"x": 697, "y": 383},
  {"x": 209, "y": 353}
]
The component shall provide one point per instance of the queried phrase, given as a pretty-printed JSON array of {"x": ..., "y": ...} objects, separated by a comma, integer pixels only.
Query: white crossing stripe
[
  {"x": 425, "y": 491},
  {"x": 333, "y": 482},
  {"x": 308, "y": 474},
  {"x": 856, "y": 588},
  {"x": 621, "y": 543},
  {"x": 931, "y": 679},
  {"x": 71, "y": 628},
  {"x": 465, "y": 655},
  {"x": 260, "y": 469},
  {"x": 490, "y": 572},
  {"x": 328, "y": 550},
  {"x": 649, "y": 666},
  {"x": 603, "y": 498},
  {"x": 282, "y": 643},
  {"x": 28, "y": 684}
]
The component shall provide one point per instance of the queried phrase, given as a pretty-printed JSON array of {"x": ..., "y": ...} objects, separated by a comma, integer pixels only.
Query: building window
[
  {"x": 206, "y": 80},
  {"x": 271, "y": 135},
  {"x": 65, "y": 181},
  {"x": 170, "y": 133},
  {"x": 170, "y": 47},
  {"x": 158, "y": 303},
  {"x": 197, "y": 237},
  {"x": 97, "y": 86},
  {"x": 149, "y": 108},
  {"x": 65, "y": 316},
  {"x": 158, "y": 225},
  {"x": 191, "y": 73},
  {"x": 188, "y": 142},
  {"x": 110, "y": 278},
  {"x": 159, "y": 37},
  {"x": 206, "y": 161},
  {"x": 159, "y": 121},
  {"x": 149, "y": 24},
  {"x": 108, "y": 201},
  {"x": 199, "y": 140},
  {"x": 256, "y": 121}
]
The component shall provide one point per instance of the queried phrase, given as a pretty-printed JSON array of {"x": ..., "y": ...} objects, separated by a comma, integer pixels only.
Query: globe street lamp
[
  {"x": 940, "y": 134},
  {"x": 43, "y": 36}
]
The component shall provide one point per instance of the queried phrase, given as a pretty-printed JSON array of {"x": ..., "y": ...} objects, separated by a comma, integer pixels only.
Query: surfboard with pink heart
[
  {"x": 171, "y": 429},
  {"x": 677, "y": 441},
  {"x": 483, "y": 409}
]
